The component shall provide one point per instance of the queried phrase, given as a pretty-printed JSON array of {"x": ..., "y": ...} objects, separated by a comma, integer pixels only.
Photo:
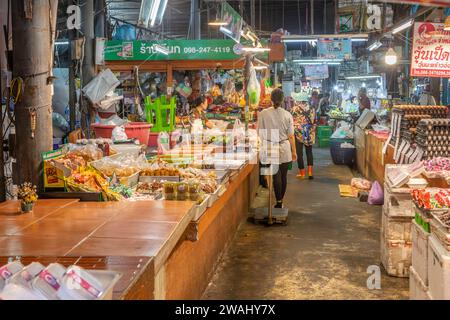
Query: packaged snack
[
  {"x": 26, "y": 276},
  {"x": 8, "y": 271},
  {"x": 194, "y": 191},
  {"x": 49, "y": 280},
  {"x": 78, "y": 284},
  {"x": 169, "y": 190},
  {"x": 182, "y": 191}
]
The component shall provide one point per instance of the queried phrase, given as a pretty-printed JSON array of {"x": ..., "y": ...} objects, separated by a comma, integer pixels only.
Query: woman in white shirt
[{"x": 276, "y": 127}]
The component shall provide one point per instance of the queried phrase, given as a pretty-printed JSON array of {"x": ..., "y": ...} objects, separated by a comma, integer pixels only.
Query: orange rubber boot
[
  {"x": 310, "y": 172},
  {"x": 301, "y": 174}
]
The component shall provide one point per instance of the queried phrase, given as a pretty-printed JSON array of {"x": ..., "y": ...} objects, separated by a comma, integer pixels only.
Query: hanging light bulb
[
  {"x": 391, "y": 57},
  {"x": 447, "y": 23}
]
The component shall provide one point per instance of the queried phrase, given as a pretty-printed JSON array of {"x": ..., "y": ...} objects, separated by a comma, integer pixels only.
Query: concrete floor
[{"x": 323, "y": 252}]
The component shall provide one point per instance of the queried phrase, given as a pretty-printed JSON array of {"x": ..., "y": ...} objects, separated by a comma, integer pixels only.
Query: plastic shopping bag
[
  {"x": 118, "y": 134},
  {"x": 253, "y": 88},
  {"x": 376, "y": 195}
]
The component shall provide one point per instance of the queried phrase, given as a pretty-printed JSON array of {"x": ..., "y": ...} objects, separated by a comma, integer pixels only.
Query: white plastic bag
[
  {"x": 238, "y": 130},
  {"x": 118, "y": 134},
  {"x": 100, "y": 86},
  {"x": 163, "y": 142},
  {"x": 253, "y": 88},
  {"x": 343, "y": 130}
]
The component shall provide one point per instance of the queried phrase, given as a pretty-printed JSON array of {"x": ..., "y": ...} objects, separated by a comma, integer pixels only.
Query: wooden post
[
  {"x": 33, "y": 50},
  {"x": 88, "y": 67}
]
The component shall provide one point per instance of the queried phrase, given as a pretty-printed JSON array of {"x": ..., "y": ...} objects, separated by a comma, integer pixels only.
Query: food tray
[
  {"x": 130, "y": 181},
  {"x": 200, "y": 209},
  {"x": 150, "y": 179},
  {"x": 222, "y": 175},
  {"x": 228, "y": 164},
  {"x": 215, "y": 196},
  {"x": 441, "y": 224}
]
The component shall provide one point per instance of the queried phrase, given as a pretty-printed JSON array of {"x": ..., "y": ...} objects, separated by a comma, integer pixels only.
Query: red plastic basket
[{"x": 134, "y": 130}]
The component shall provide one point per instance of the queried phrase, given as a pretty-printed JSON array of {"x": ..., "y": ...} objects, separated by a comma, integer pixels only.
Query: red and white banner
[{"x": 430, "y": 51}]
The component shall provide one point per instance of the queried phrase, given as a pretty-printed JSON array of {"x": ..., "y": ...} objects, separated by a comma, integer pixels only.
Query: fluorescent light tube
[
  {"x": 218, "y": 23},
  {"x": 154, "y": 12},
  {"x": 250, "y": 49},
  {"x": 359, "y": 39},
  {"x": 298, "y": 40},
  {"x": 228, "y": 31},
  {"x": 362, "y": 77},
  {"x": 375, "y": 45},
  {"x": 317, "y": 60},
  {"x": 403, "y": 26}
]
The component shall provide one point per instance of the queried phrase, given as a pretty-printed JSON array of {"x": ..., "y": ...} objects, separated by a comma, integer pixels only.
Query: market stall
[{"x": 163, "y": 236}]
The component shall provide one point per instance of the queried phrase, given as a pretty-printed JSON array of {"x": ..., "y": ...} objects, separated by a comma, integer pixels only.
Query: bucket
[{"x": 134, "y": 130}]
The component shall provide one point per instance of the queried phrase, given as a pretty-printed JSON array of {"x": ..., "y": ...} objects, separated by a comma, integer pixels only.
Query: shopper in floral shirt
[{"x": 305, "y": 133}]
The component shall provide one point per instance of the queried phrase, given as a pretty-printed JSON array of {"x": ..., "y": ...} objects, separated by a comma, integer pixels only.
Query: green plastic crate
[
  {"x": 324, "y": 131},
  {"x": 324, "y": 142}
]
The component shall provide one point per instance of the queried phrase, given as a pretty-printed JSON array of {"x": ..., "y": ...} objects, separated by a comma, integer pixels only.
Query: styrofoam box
[
  {"x": 417, "y": 288},
  {"x": 396, "y": 227},
  {"x": 420, "y": 251},
  {"x": 396, "y": 256},
  {"x": 397, "y": 204},
  {"x": 438, "y": 270}
]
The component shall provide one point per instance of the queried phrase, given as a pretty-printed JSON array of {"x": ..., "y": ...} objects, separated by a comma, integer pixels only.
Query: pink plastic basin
[{"x": 134, "y": 130}]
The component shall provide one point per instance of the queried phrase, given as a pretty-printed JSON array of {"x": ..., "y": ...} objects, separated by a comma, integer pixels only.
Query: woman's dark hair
[
  {"x": 200, "y": 100},
  {"x": 277, "y": 97}
]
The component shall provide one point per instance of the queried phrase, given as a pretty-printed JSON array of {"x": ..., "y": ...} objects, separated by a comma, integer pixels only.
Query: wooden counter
[{"x": 68, "y": 230}]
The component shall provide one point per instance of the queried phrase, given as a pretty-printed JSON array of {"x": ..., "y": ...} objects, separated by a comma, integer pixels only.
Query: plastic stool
[{"x": 161, "y": 113}]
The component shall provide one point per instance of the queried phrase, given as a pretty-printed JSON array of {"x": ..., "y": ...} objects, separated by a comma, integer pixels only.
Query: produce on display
[
  {"x": 89, "y": 180},
  {"x": 430, "y": 199},
  {"x": 123, "y": 190},
  {"x": 437, "y": 164},
  {"x": 123, "y": 165}
]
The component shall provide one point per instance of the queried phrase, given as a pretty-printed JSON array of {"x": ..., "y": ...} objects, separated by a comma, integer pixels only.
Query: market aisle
[{"x": 323, "y": 253}]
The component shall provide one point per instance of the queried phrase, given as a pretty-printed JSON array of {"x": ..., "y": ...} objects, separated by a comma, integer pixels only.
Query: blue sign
[{"x": 334, "y": 49}]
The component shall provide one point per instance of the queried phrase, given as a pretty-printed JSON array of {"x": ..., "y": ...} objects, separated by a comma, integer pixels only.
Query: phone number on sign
[{"x": 207, "y": 50}]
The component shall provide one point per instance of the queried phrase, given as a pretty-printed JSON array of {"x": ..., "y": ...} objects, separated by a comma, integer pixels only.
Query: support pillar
[
  {"x": 88, "y": 67},
  {"x": 195, "y": 19},
  {"x": 33, "y": 24}
]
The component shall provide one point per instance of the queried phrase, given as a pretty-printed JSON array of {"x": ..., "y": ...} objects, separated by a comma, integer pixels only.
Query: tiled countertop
[{"x": 70, "y": 228}]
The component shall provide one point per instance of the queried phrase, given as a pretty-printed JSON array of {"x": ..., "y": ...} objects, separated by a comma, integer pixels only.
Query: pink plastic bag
[{"x": 376, "y": 194}]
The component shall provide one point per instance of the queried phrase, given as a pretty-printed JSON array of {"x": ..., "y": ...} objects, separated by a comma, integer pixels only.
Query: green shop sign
[{"x": 178, "y": 50}]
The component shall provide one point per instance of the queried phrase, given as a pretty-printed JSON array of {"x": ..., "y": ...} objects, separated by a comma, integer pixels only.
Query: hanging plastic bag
[
  {"x": 60, "y": 122},
  {"x": 253, "y": 88},
  {"x": 163, "y": 142},
  {"x": 376, "y": 194},
  {"x": 118, "y": 134}
]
